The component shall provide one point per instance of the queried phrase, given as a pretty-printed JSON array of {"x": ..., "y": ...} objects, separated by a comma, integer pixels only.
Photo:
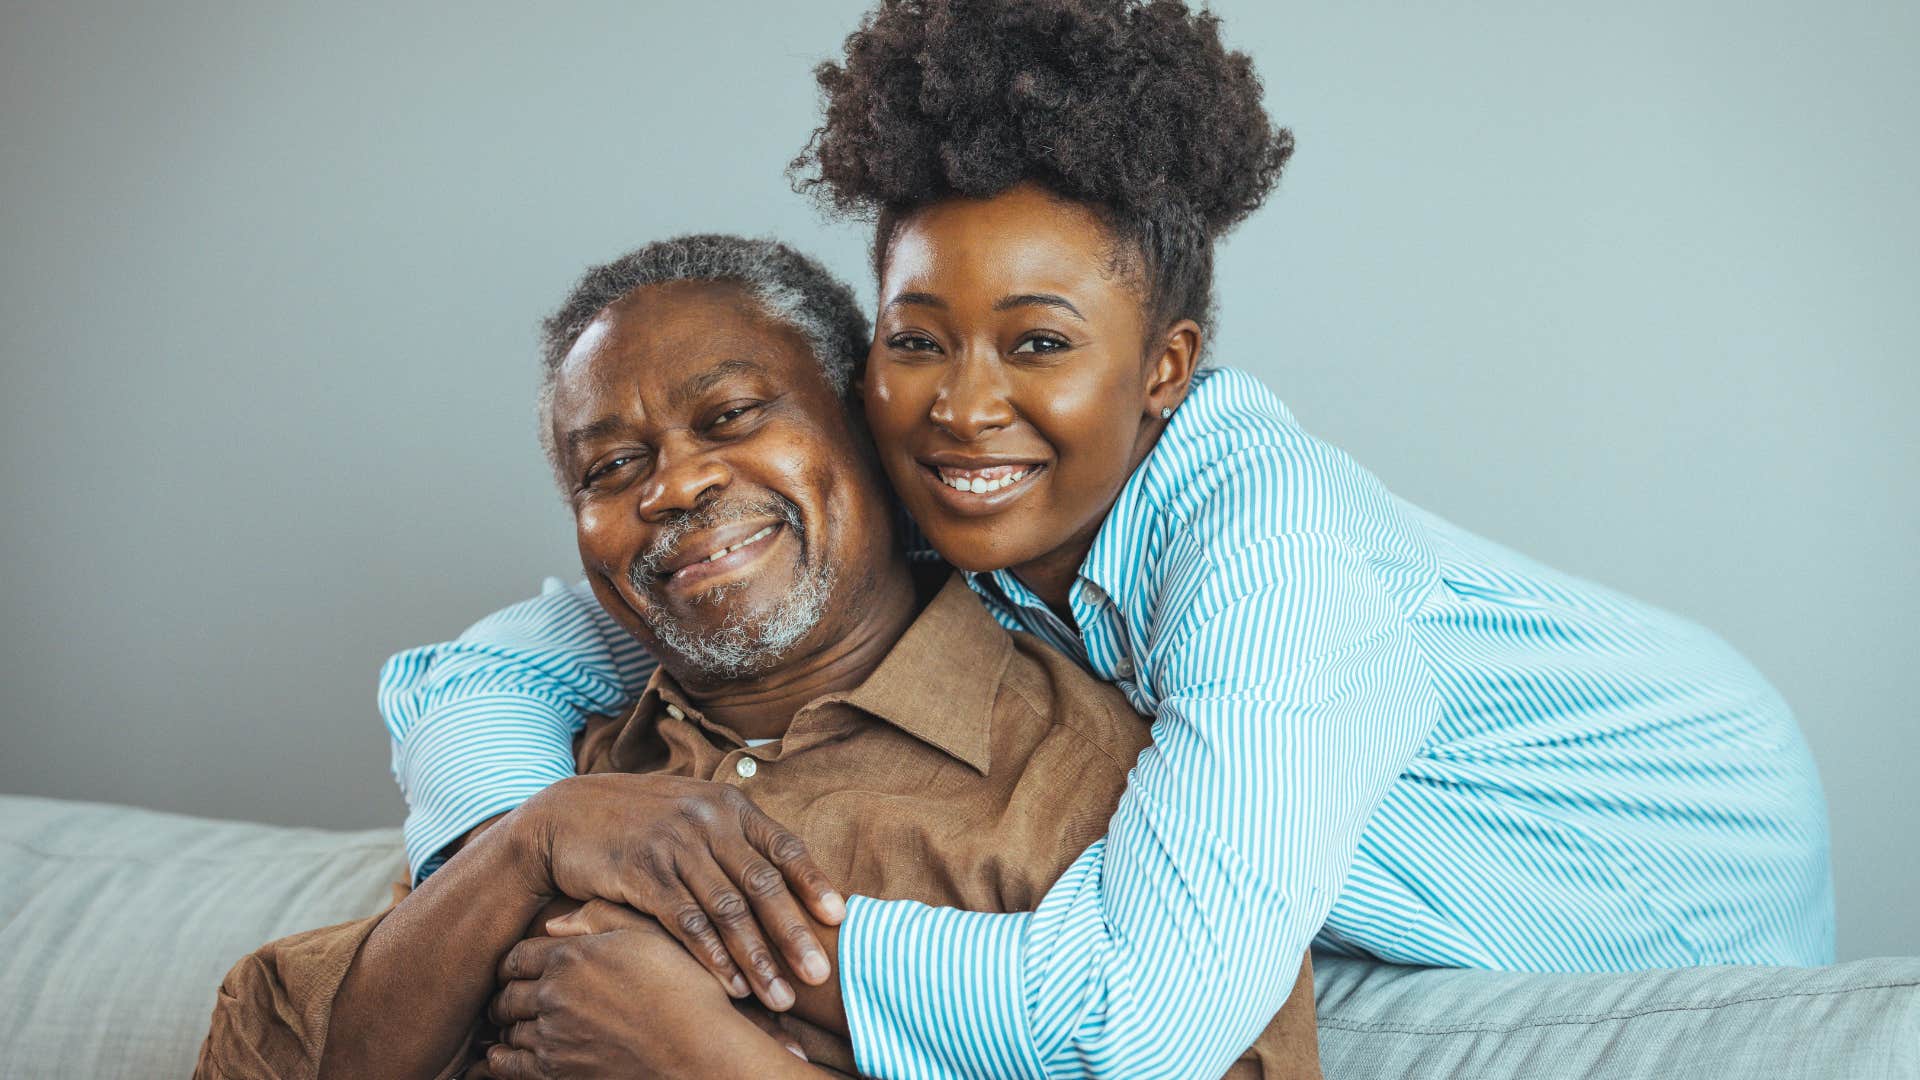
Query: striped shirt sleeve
[
  {"x": 481, "y": 723},
  {"x": 1291, "y": 694}
]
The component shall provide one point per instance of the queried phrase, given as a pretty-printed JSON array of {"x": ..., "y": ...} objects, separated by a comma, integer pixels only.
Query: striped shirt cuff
[
  {"x": 935, "y": 992},
  {"x": 429, "y": 835}
]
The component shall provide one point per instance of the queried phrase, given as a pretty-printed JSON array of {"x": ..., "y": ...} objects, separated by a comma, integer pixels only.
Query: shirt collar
[
  {"x": 938, "y": 684},
  {"x": 1112, "y": 565},
  {"x": 941, "y": 679}
]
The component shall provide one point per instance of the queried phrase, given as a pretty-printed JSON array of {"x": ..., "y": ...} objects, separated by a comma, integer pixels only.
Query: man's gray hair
[{"x": 792, "y": 288}]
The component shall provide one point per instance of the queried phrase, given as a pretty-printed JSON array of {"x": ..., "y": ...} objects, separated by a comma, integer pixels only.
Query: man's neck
[{"x": 761, "y": 707}]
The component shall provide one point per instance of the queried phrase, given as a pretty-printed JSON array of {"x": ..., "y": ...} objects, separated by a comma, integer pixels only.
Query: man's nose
[
  {"x": 683, "y": 477},
  {"x": 972, "y": 399}
]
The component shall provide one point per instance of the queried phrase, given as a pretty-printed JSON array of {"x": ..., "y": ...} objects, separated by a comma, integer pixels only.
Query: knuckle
[
  {"x": 786, "y": 847},
  {"x": 658, "y": 866},
  {"x": 797, "y": 933},
  {"x": 695, "y": 811},
  {"x": 762, "y": 878},
  {"x": 693, "y": 922},
  {"x": 727, "y": 905},
  {"x": 762, "y": 962}
]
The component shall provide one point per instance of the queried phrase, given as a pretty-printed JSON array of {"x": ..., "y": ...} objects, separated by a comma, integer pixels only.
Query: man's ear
[{"x": 1173, "y": 358}]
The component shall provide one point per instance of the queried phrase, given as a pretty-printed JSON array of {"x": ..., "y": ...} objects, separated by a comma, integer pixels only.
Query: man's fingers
[
  {"x": 509, "y": 1063},
  {"x": 789, "y": 853},
  {"x": 595, "y": 917},
  {"x": 529, "y": 959},
  {"x": 779, "y": 914},
  {"x": 518, "y": 1000},
  {"x": 689, "y": 923},
  {"x": 733, "y": 917}
]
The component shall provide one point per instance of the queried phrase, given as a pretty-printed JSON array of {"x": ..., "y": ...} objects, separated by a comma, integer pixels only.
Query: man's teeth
[
  {"x": 755, "y": 538},
  {"x": 980, "y": 485}
]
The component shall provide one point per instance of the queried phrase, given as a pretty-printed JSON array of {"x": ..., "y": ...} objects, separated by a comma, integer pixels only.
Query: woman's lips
[{"x": 981, "y": 490}]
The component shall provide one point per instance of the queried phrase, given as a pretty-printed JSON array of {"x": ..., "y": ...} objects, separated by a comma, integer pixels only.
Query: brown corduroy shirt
[{"x": 969, "y": 770}]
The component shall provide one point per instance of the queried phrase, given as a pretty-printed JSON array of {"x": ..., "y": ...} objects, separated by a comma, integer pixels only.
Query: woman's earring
[{"x": 1166, "y": 413}]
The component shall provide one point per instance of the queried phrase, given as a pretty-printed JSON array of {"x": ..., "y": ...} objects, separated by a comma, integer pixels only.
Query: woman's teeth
[
  {"x": 755, "y": 538},
  {"x": 983, "y": 482}
]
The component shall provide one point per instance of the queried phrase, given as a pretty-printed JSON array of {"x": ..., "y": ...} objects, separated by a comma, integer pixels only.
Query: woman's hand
[
  {"x": 617, "y": 996},
  {"x": 720, "y": 876}
]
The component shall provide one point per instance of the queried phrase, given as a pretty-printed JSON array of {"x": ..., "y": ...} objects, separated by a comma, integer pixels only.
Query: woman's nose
[{"x": 972, "y": 399}]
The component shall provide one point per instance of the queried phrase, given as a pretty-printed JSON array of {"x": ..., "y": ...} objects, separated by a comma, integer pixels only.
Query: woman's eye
[
  {"x": 1040, "y": 344},
  {"x": 912, "y": 343},
  {"x": 730, "y": 415}
]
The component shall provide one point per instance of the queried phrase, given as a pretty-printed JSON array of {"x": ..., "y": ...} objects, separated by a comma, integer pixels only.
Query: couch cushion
[
  {"x": 1855, "y": 1020},
  {"x": 119, "y": 923}
]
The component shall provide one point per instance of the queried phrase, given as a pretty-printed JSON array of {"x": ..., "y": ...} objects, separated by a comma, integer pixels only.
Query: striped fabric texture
[{"x": 1372, "y": 730}]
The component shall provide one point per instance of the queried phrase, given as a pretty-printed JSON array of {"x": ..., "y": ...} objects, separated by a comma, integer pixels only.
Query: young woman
[{"x": 1372, "y": 730}]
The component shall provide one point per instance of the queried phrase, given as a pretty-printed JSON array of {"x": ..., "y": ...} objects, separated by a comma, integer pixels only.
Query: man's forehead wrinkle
[
  {"x": 586, "y": 433},
  {"x": 698, "y": 385}
]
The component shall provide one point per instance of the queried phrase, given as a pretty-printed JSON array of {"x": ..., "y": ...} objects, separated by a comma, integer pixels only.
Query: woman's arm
[
  {"x": 1290, "y": 697},
  {"x": 481, "y": 723}
]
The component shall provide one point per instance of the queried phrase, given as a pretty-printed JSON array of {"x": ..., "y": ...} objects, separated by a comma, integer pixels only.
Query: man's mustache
[{"x": 647, "y": 568}]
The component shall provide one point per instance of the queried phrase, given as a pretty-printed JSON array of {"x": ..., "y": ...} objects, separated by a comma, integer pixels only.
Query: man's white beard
[{"x": 742, "y": 647}]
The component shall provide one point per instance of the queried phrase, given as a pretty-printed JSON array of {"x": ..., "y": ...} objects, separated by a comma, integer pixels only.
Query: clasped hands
[{"x": 692, "y": 896}]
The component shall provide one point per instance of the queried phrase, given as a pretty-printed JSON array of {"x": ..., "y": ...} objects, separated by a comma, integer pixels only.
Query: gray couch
[{"x": 116, "y": 925}]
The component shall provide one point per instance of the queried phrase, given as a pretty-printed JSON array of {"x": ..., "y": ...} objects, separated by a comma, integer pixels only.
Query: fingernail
[
  {"x": 836, "y": 908},
  {"x": 738, "y": 987},
  {"x": 814, "y": 967},
  {"x": 781, "y": 993},
  {"x": 797, "y": 1052}
]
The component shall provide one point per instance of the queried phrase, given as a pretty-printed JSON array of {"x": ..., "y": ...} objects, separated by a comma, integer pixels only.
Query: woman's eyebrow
[
  {"x": 1040, "y": 299},
  {"x": 917, "y": 299}
]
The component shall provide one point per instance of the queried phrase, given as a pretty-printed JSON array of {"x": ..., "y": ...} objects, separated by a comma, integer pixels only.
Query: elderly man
[{"x": 731, "y": 518}]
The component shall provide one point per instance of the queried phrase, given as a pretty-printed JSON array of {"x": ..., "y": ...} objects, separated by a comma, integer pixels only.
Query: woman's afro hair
[{"x": 1135, "y": 108}]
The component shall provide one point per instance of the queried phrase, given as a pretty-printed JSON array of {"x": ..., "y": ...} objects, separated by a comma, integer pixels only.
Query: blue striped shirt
[{"x": 1372, "y": 730}]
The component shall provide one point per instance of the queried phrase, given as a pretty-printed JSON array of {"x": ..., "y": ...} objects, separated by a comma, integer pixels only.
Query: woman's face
[{"x": 1013, "y": 384}]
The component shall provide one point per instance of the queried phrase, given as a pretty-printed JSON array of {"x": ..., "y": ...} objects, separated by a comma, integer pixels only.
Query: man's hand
[
  {"x": 718, "y": 874},
  {"x": 622, "y": 1000}
]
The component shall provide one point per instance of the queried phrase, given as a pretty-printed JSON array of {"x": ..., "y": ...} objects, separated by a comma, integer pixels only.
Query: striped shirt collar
[{"x": 1112, "y": 569}]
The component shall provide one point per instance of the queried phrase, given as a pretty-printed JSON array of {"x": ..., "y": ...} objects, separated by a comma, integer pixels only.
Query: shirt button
[
  {"x": 1124, "y": 668},
  {"x": 746, "y": 767},
  {"x": 674, "y": 711}
]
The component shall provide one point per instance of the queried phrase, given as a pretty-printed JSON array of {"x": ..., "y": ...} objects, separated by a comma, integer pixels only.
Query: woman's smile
[
  {"x": 976, "y": 490},
  {"x": 1012, "y": 369}
]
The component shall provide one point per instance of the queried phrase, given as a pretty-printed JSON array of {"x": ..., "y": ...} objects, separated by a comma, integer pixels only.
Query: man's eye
[
  {"x": 606, "y": 469},
  {"x": 732, "y": 414},
  {"x": 1040, "y": 344}
]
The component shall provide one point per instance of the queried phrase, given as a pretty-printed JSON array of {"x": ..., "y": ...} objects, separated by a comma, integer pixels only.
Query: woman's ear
[{"x": 1170, "y": 372}]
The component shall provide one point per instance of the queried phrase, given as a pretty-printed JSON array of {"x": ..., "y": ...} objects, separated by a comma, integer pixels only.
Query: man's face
[{"x": 725, "y": 510}]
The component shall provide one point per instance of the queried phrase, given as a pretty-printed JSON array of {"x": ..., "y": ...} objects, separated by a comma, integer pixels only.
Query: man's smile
[{"x": 704, "y": 560}]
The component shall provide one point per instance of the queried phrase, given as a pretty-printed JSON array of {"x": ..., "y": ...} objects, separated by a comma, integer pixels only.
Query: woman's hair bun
[{"x": 1135, "y": 106}]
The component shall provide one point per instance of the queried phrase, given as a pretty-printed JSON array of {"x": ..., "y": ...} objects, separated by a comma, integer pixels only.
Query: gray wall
[{"x": 1632, "y": 290}]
